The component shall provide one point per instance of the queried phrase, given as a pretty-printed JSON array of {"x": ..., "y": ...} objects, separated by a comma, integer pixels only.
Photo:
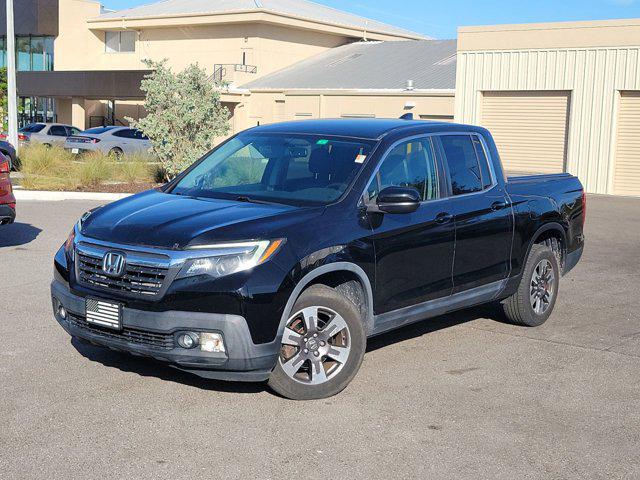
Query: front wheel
[
  {"x": 536, "y": 296},
  {"x": 322, "y": 346}
]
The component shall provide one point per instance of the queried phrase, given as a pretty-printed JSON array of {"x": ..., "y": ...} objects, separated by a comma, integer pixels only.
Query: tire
[
  {"x": 116, "y": 153},
  {"x": 521, "y": 308},
  {"x": 336, "y": 344}
]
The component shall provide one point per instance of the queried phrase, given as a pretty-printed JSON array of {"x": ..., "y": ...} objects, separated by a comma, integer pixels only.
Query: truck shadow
[
  {"x": 17, "y": 234},
  {"x": 424, "y": 327},
  {"x": 146, "y": 367}
]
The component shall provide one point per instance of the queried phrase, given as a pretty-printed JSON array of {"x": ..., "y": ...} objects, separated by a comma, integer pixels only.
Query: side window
[
  {"x": 410, "y": 164},
  {"x": 58, "y": 131},
  {"x": 464, "y": 169},
  {"x": 73, "y": 131},
  {"x": 487, "y": 181},
  {"x": 126, "y": 133}
]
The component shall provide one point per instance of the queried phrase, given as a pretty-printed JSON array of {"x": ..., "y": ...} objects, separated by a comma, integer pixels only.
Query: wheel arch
[
  {"x": 324, "y": 271},
  {"x": 547, "y": 231}
]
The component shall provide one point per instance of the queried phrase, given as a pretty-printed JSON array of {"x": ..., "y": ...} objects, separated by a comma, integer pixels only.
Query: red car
[{"x": 7, "y": 200}]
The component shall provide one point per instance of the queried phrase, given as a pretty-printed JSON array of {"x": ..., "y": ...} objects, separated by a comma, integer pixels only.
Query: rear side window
[
  {"x": 464, "y": 169},
  {"x": 487, "y": 181},
  {"x": 98, "y": 130},
  {"x": 32, "y": 128},
  {"x": 410, "y": 164},
  {"x": 125, "y": 133},
  {"x": 58, "y": 131}
]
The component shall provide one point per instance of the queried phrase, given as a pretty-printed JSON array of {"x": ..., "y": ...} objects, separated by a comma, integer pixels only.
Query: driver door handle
[
  {"x": 443, "y": 218},
  {"x": 495, "y": 206}
]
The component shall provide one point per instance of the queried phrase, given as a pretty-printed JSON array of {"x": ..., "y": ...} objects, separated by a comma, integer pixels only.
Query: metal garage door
[
  {"x": 530, "y": 129},
  {"x": 626, "y": 178}
]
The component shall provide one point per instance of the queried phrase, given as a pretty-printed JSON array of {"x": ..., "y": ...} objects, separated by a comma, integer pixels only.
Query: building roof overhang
[
  {"x": 90, "y": 84},
  {"x": 262, "y": 16}
]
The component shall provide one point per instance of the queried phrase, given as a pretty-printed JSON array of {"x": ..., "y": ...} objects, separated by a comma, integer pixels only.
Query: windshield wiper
[{"x": 245, "y": 199}]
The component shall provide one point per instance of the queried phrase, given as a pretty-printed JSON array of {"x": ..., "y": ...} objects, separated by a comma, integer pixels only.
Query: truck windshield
[{"x": 278, "y": 168}]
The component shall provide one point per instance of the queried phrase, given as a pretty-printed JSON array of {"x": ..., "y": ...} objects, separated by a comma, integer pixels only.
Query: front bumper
[
  {"x": 151, "y": 334},
  {"x": 7, "y": 214}
]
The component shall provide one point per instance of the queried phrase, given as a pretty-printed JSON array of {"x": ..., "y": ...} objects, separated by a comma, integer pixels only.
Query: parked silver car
[
  {"x": 109, "y": 140},
  {"x": 46, "y": 133}
]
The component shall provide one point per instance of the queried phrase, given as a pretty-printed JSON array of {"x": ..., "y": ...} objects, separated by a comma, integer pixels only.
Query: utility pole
[{"x": 11, "y": 78}]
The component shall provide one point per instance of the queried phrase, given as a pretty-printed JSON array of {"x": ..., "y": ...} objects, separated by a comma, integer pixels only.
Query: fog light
[
  {"x": 188, "y": 340},
  {"x": 211, "y": 342},
  {"x": 62, "y": 312}
]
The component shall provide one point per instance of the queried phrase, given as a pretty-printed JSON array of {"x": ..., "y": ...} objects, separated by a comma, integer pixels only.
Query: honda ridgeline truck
[{"x": 279, "y": 253}]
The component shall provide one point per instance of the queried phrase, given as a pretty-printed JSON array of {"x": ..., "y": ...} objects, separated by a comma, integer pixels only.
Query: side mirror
[{"x": 398, "y": 200}]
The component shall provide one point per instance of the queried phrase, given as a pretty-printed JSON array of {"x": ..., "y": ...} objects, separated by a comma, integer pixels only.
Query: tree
[{"x": 184, "y": 115}]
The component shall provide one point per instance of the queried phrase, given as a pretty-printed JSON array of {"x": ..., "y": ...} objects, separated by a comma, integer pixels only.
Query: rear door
[
  {"x": 123, "y": 139},
  {"x": 57, "y": 134},
  {"x": 414, "y": 251},
  {"x": 483, "y": 219}
]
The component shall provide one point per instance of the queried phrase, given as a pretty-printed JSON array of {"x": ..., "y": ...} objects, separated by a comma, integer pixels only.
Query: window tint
[
  {"x": 281, "y": 168},
  {"x": 58, "y": 131},
  {"x": 32, "y": 128},
  {"x": 487, "y": 181},
  {"x": 463, "y": 164},
  {"x": 98, "y": 130},
  {"x": 138, "y": 135},
  {"x": 124, "y": 133},
  {"x": 410, "y": 164}
]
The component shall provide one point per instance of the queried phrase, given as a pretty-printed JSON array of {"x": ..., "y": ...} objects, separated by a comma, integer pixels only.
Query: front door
[
  {"x": 483, "y": 218},
  {"x": 414, "y": 252}
]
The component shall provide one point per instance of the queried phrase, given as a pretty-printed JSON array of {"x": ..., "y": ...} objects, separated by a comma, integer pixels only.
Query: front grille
[
  {"x": 142, "y": 337},
  {"x": 137, "y": 279}
]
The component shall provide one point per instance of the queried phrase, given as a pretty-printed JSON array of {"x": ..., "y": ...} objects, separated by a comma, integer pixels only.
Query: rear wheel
[
  {"x": 116, "y": 153},
  {"x": 536, "y": 296},
  {"x": 322, "y": 346}
]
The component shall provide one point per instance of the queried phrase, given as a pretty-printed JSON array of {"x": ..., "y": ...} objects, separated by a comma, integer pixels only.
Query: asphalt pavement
[{"x": 458, "y": 397}]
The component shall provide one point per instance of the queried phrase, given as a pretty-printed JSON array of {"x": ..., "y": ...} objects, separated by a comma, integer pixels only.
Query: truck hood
[{"x": 160, "y": 220}]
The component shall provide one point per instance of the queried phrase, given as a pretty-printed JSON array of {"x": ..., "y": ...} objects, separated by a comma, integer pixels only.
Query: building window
[
  {"x": 32, "y": 53},
  {"x": 120, "y": 42}
]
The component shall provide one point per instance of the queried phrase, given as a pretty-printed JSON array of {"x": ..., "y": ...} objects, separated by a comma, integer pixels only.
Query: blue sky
[{"x": 440, "y": 19}]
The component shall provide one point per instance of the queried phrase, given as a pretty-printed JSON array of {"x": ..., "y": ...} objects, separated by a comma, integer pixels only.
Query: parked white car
[
  {"x": 111, "y": 140},
  {"x": 46, "y": 133}
]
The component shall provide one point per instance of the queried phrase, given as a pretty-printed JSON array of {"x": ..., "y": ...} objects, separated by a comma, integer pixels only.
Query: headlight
[{"x": 229, "y": 258}]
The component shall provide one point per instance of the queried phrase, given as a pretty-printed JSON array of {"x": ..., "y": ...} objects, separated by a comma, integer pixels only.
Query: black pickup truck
[{"x": 281, "y": 251}]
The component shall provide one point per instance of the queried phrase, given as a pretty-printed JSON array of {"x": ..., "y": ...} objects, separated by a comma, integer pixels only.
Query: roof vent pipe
[{"x": 409, "y": 85}]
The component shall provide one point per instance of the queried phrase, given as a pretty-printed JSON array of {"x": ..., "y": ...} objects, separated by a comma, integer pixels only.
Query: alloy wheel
[
  {"x": 542, "y": 287},
  {"x": 315, "y": 345}
]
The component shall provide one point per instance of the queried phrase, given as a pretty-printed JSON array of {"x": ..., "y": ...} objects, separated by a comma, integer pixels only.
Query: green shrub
[
  {"x": 135, "y": 168},
  {"x": 95, "y": 168},
  {"x": 47, "y": 167},
  {"x": 53, "y": 168}
]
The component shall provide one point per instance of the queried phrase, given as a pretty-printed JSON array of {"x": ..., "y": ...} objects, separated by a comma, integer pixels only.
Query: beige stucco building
[
  {"x": 557, "y": 97},
  {"x": 237, "y": 41}
]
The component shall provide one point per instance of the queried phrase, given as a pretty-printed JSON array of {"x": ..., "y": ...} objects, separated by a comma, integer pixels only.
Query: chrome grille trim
[{"x": 145, "y": 273}]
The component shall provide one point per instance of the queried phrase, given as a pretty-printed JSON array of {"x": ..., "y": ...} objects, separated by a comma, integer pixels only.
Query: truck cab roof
[{"x": 365, "y": 128}]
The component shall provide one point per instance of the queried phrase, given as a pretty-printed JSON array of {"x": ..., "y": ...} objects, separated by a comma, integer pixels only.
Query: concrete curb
[{"x": 44, "y": 196}]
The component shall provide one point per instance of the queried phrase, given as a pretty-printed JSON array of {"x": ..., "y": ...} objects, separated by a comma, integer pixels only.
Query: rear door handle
[
  {"x": 495, "y": 206},
  {"x": 444, "y": 217}
]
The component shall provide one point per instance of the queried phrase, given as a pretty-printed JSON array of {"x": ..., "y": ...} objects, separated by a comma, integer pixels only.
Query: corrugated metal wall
[{"x": 594, "y": 77}]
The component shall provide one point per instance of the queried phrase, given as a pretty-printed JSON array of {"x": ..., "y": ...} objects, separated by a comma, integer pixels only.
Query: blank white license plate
[
  {"x": 105, "y": 314},
  {"x": 75, "y": 150}
]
